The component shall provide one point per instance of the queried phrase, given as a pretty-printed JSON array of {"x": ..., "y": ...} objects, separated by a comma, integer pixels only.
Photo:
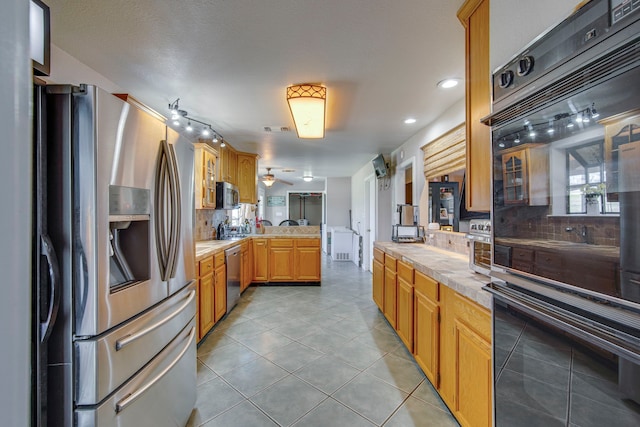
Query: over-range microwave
[{"x": 227, "y": 196}]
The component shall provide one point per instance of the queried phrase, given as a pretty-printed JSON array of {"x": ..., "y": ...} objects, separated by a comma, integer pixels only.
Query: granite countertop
[
  {"x": 205, "y": 248},
  {"x": 449, "y": 268},
  {"x": 608, "y": 253}
]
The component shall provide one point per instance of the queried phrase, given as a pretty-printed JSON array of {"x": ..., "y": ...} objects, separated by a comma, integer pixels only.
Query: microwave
[{"x": 227, "y": 196}]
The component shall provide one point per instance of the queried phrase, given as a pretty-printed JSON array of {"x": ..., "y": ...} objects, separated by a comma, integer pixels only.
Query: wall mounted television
[{"x": 380, "y": 166}]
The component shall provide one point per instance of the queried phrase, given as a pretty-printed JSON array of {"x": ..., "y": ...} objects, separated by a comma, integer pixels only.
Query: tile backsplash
[
  {"x": 206, "y": 221},
  {"x": 448, "y": 240}
]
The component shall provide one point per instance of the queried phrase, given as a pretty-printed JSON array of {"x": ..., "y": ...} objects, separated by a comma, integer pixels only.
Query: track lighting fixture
[{"x": 177, "y": 115}]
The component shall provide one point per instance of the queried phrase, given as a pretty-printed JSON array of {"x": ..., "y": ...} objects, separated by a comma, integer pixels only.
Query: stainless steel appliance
[
  {"x": 479, "y": 237},
  {"x": 233, "y": 265},
  {"x": 565, "y": 119},
  {"x": 227, "y": 196},
  {"x": 116, "y": 212}
]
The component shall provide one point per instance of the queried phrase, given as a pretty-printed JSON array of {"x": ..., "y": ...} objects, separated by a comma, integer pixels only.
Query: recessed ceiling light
[
  {"x": 448, "y": 83},
  {"x": 307, "y": 178},
  {"x": 409, "y": 121}
]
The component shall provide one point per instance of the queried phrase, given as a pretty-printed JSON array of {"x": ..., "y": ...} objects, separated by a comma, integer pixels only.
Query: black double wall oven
[{"x": 566, "y": 223}]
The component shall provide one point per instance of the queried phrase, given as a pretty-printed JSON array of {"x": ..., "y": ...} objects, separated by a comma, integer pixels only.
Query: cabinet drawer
[
  {"x": 206, "y": 266},
  {"x": 281, "y": 243},
  {"x": 548, "y": 260},
  {"x": 405, "y": 271},
  {"x": 219, "y": 259},
  {"x": 390, "y": 262},
  {"x": 308, "y": 243},
  {"x": 520, "y": 254},
  {"x": 378, "y": 254},
  {"x": 427, "y": 286},
  {"x": 526, "y": 266}
]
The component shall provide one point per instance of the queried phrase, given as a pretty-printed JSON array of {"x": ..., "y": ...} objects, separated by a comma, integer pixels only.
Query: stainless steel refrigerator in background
[{"x": 113, "y": 263}]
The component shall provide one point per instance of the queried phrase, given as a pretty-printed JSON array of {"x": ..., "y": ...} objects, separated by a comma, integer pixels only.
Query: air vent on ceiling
[
  {"x": 277, "y": 129},
  {"x": 288, "y": 170}
]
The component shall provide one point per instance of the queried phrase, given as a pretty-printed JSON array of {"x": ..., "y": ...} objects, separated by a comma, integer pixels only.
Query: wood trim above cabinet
[{"x": 466, "y": 10}]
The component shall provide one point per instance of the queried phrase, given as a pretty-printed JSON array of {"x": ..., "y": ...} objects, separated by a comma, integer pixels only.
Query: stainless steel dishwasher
[{"x": 232, "y": 260}]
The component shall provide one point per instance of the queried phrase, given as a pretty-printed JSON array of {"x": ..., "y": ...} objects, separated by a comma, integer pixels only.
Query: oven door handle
[
  {"x": 579, "y": 326},
  {"x": 128, "y": 339},
  {"x": 130, "y": 398}
]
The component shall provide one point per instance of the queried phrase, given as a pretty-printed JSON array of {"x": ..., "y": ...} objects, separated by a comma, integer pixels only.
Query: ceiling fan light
[
  {"x": 307, "y": 103},
  {"x": 268, "y": 182}
]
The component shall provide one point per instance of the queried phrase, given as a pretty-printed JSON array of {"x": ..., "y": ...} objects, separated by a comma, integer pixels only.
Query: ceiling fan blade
[{"x": 283, "y": 181}]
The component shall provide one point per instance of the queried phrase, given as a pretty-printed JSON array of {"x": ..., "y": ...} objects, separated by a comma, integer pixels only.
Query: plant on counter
[{"x": 593, "y": 191}]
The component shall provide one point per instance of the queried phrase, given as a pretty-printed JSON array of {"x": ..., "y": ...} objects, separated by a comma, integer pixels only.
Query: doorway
[
  {"x": 370, "y": 203},
  {"x": 306, "y": 207}
]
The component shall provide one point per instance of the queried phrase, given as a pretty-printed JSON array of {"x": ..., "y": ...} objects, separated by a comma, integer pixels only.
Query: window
[{"x": 585, "y": 170}]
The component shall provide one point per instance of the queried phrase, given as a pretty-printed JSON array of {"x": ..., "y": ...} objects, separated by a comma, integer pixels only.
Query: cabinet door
[
  {"x": 307, "y": 260},
  {"x": 220, "y": 298},
  {"x": 233, "y": 166},
  {"x": 260, "y": 260},
  {"x": 466, "y": 381},
  {"x": 474, "y": 16},
  {"x": 426, "y": 342},
  {"x": 514, "y": 175},
  {"x": 209, "y": 173},
  {"x": 281, "y": 264},
  {"x": 247, "y": 178},
  {"x": 390, "y": 295},
  {"x": 378, "y": 284},
  {"x": 205, "y": 304},
  {"x": 405, "y": 312}
]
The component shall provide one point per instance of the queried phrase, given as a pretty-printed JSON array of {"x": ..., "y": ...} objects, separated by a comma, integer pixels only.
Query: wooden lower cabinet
[
  {"x": 404, "y": 315},
  {"x": 260, "y": 260},
  {"x": 466, "y": 381},
  {"x": 307, "y": 260},
  {"x": 448, "y": 334},
  {"x": 281, "y": 267},
  {"x": 205, "y": 291},
  {"x": 220, "y": 302},
  {"x": 247, "y": 266},
  {"x": 390, "y": 289},
  {"x": 426, "y": 318},
  {"x": 378, "y": 278}
]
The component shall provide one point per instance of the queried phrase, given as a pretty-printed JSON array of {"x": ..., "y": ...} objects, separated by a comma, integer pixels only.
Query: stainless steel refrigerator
[{"x": 114, "y": 289}]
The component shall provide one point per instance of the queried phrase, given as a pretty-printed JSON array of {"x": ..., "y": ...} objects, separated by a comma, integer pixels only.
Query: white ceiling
[{"x": 230, "y": 61}]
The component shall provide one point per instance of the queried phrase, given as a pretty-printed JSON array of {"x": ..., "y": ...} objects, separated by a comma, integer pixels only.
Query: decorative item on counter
[
  {"x": 433, "y": 226},
  {"x": 592, "y": 196}
]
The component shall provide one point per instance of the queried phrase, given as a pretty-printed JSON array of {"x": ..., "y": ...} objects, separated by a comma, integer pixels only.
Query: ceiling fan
[{"x": 269, "y": 179}]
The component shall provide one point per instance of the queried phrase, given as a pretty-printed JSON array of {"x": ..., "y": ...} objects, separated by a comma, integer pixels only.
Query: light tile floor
[{"x": 312, "y": 356}]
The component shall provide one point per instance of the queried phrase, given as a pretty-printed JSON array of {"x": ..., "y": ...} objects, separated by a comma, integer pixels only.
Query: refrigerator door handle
[
  {"x": 47, "y": 250},
  {"x": 130, "y": 398},
  {"x": 128, "y": 339},
  {"x": 176, "y": 220},
  {"x": 162, "y": 245}
]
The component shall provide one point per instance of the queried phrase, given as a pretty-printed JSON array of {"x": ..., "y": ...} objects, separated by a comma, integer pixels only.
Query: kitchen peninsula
[
  {"x": 440, "y": 312},
  {"x": 286, "y": 255}
]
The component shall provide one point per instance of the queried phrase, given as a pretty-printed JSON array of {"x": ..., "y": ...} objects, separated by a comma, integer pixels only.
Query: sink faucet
[{"x": 582, "y": 233}]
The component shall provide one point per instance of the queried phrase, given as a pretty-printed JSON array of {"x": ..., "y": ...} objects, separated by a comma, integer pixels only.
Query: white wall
[
  {"x": 276, "y": 214},
  {"x": 338, "y": 201},
  {"x": 66, "y": 69},
  {"x": 15, "y": 220},
  {"x": 411, "y": 150}
]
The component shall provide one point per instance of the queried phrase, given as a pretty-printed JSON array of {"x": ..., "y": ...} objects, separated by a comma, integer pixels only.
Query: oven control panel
[{"x": 563, "y": 42}]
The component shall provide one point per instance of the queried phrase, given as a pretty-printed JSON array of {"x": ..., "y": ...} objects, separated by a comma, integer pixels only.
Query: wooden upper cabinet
[
  {"x": 205, "y": 176},
  {"x": 474, "y": 15},
  {"x": 525, "y": 176},
  {"x": 228, "y": 169},
  {"x": 248, "y": 178}
]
